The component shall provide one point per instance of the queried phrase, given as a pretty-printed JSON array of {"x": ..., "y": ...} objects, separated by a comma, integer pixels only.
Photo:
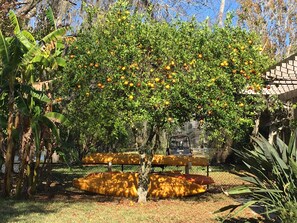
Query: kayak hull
[
  {"x": 124, "y": 184},
  {"x": 133, "y": 159}
]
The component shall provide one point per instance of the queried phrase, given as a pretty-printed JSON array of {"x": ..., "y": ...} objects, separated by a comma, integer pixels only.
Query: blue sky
[{"x": 212, "y": 9}]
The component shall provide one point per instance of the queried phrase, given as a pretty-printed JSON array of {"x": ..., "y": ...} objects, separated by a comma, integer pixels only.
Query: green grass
[
  {"x": 102, "y": 209},
  {"x": 60, "y": 202}
]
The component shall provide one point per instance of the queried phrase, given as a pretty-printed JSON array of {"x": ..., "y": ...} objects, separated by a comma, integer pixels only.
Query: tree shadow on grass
[
  {"x": 58, "y": 186},
  {"x": 245, "y": 220},
  {"x": 17, "y": 210}
]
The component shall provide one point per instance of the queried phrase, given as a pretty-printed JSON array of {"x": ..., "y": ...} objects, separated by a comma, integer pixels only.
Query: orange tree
[{"x": 127, "y": 68}]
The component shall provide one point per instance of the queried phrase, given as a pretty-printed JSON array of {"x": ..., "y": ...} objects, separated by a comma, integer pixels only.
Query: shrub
[{"x": 271, "y": 171}]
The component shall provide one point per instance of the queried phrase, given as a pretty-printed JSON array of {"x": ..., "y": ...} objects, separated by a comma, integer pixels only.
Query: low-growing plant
[{"x": 271, "y": 171}]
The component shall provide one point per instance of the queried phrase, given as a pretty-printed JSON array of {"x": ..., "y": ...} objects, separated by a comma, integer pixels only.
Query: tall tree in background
[
  {"x": 4, "y": 20},
  {"x": 275, "y": 21},
  {"x": 221, "y": 13}
]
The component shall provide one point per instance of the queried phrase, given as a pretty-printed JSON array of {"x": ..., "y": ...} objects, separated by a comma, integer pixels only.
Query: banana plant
[
  {"x": 24, "y": 60},
  {"x": 33, "y": 110},
  {"x": 271, "y": 171}
]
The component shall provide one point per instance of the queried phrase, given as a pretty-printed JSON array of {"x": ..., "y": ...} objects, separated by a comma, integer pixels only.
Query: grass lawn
[{"x": 58, "y": 202}]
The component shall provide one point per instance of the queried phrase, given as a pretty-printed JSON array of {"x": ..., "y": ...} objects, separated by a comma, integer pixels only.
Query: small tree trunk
[
  {"x": 256, "y": 127},
  {"x": 224, "y": 151},
  {"x": 272, "y": 134},
  {"x": 24, "y": 165},
  {"x": 144, "y": 180},
  {"x": 25, "y": 149},
  {"x": 36, "y": 173},
  {"x": 10, "y": 146},
  {"x": 146, "y": 157}
]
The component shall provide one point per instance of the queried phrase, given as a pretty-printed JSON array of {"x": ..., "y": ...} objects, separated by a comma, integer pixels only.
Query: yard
[{"x": 57, "y": 201}]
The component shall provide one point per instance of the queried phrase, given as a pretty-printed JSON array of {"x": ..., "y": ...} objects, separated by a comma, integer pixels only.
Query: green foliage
[
  {"x": 22, "y": 106},
  {"x": 272, "y": 172},
  {"x": 127, "y": 68}
]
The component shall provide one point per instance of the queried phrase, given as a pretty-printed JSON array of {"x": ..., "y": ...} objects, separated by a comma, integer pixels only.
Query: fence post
[
  {"x": 188, "y": 167},
  {"x": 109, "y": 166}
]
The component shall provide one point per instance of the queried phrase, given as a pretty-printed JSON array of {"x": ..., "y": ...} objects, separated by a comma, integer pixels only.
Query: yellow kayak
[
  {"x": 133, "y": 159},
  {"x": 124, "y": 184}
]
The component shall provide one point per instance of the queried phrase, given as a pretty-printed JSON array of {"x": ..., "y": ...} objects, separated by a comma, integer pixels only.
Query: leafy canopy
[{"x": 128, "y": 67}]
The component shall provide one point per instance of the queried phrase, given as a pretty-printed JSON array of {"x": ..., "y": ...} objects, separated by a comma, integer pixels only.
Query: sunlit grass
[
  {"x": 63, "y": 203},
  {"x": 198, "y": 209}
]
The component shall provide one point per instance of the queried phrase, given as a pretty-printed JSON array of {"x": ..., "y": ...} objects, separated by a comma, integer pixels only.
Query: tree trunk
[
  {"x": 10, "y": 145},
  {"x": 256, "y": 127},
  {"x": 221, "y": 13},
  {"x": 223, "y": 152},
  {"x": 35, "y": 173},
  {"x": 272, "y": 134},
  {"x": 146, "y": 157},
  {"x": 145, "y": 167},
  {"x": 25, "y": 150}
]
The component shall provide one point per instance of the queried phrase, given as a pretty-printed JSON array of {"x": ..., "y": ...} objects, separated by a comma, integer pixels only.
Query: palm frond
[
  {"x": 29, "y": 36},
  {"x": 39, "y": 95},
  {"x": 4, "y": 53},
  {"x": 51, "y": 125},
  {"x": 51, "y": 18},
  {"x": 22, "y": 36},
  {"x": 283, "y": 149},
  {"x": 56, "y": 117},
  {"x": 292, "y": 145},
  {"x": 28, "y": 57},
  {"x": 14, "y": 20},
  {"x": 55, "y": 35}
]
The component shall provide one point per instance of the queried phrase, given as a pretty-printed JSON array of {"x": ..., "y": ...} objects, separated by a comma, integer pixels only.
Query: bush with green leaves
[{"x": 271, "y": 171}]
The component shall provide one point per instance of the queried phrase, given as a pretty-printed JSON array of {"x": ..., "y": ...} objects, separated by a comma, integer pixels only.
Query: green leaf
[
  {"x": 56, "y": 117},
  {"x": 293, "y": 165},
  {"x": 267, "y": 191},
  {"x": 51, "y": 125},
  {"x": 14, "y": 21},
  {"x": 243, "y": 207},
  {"x": 29, "y": 36},
  {"x": 37, "y": 59},
  {"x": 50, "y": 16},
  {"x": 22, "y": 106},
  {"x": 23, "y": 38},
  {"x": 61, "y": 61},
  {"x": 28, "y": 57},
  {"x": 250, "y": 180},
  {"x": 4, "y": 49},
  {"x": 283, "y": 149},
  {"x": 40, "y": 96},
  {"x": 55, "y": 35},
  {"x": 292, "y": 144},
  {"x": 239, "y": 190}
]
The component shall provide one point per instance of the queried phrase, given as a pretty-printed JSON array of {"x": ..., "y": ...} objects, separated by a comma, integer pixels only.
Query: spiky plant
[{"x": 271, "y": 171}]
